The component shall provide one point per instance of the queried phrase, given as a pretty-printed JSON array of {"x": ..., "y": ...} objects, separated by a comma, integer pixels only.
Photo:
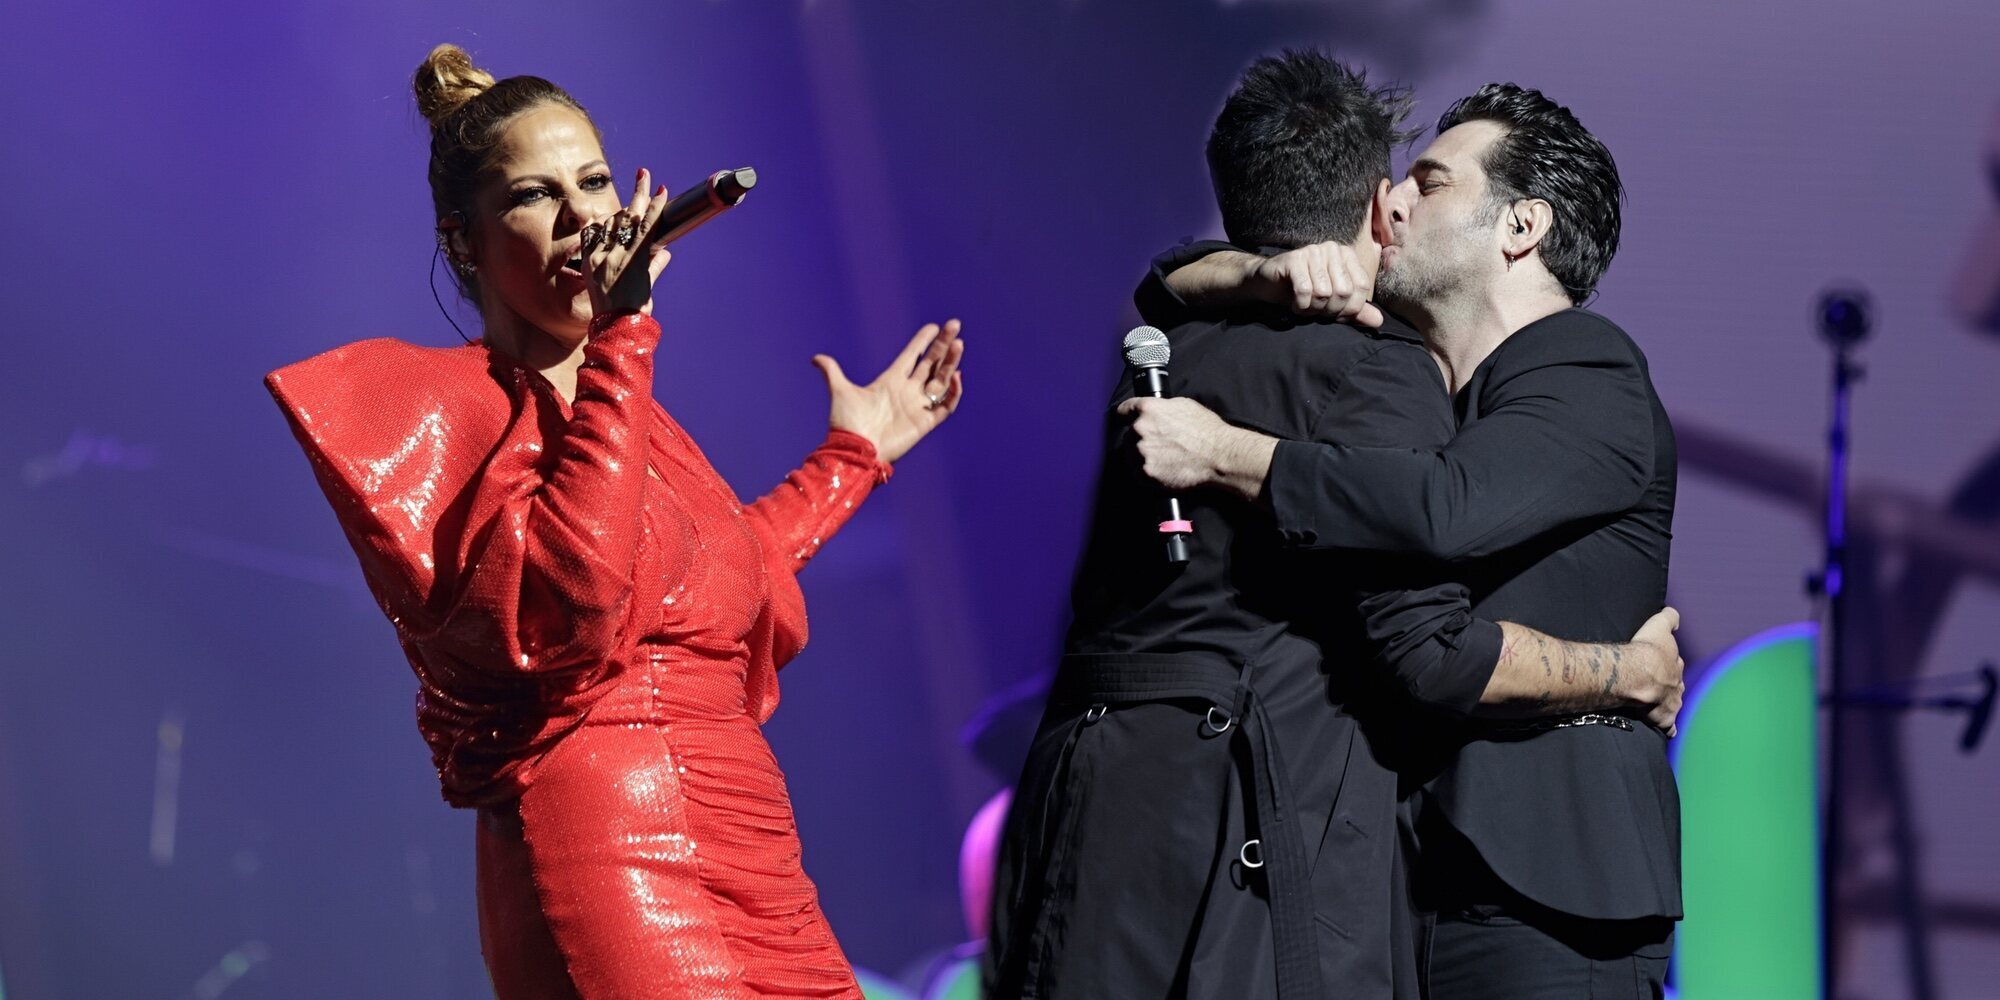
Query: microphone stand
[
  {"x": 1906, "y": 697},
  {"x": 1844, "y": 322}
]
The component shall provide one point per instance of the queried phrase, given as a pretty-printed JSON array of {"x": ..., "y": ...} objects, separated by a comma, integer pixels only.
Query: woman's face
[{"x": 547, "y": 181}]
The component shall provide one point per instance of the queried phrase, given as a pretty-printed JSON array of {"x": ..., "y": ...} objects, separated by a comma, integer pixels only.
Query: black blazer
[{"x": 1555, "y": 500}]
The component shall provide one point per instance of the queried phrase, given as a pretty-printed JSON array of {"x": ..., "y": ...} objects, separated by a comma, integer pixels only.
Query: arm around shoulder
[{"x": 1563, "y": 433}]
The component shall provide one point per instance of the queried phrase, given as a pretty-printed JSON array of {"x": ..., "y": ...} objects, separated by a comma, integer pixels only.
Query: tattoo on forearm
[
  {"x": 1570, "y": 660},
  {"x": 1564, "y": 665}
]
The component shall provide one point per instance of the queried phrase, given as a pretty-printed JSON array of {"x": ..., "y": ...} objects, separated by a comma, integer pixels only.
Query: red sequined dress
[{"x": 596, "y": 622}]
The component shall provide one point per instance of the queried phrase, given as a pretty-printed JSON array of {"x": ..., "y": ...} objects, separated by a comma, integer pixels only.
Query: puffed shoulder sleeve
[{"x": 491, "y": 527}]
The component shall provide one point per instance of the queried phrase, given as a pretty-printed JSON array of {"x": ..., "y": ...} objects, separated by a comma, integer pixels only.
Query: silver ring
[
  {"x": 592, "y": 234},
  {"x": 1213, "y": 711},
  {"x": 936, "y": 399},
  {"x": 1243, "y": 854},
  {"x": 626, "y": 234}
]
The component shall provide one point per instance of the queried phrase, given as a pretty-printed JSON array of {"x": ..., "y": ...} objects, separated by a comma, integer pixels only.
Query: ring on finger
[
  {"x": 627, "y": 232},
  {"x": 936, "y": 399},
  {"x": 593, "y": 234}
]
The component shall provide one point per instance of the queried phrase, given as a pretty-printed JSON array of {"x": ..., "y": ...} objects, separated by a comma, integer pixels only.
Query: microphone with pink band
[{"x": 1147, "y": 351}]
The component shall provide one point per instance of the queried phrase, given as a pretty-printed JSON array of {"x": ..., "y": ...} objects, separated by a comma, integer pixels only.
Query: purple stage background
[{"x": 203, "y": 192}]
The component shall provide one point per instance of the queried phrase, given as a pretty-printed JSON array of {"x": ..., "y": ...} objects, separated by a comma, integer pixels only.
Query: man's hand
[
  {"x": 1323, "y": 281},
  {"x": 1184, "y": 445},
  {"x": 1656, "y": 684},
  {"x": 1538, "y": 674}
]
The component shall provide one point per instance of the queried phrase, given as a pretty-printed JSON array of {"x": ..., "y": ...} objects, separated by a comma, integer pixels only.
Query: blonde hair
[
  {"x": 447, "y": 81},
  {"x": 468, "y": 111}
]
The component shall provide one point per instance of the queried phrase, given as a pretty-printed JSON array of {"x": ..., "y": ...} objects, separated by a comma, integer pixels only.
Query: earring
[{"x": 465, "y": 268}]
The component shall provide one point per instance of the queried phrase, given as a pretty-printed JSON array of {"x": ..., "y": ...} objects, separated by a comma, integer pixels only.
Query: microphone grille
[{"x": 1147, "y": 347}]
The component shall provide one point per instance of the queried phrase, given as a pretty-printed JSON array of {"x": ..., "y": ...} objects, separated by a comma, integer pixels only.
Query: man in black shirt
[
  {"x": 1551, "y": 851},
  {"x": 1206, "y": 810}
]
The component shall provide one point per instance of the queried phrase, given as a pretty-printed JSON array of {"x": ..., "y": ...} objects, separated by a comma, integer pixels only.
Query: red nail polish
[
  {"x": 639, "y": 177},
  {"x": 661, "y": 193}
]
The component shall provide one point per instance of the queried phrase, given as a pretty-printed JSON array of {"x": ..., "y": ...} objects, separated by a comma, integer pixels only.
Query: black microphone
[
  {"x": 722, "y": 191},
  {"x": 1147, "y": 351},
  {"x": 1845, "y": 316}
]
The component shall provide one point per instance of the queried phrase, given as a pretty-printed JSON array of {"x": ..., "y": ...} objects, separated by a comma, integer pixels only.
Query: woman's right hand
[
  {"x": 618, "y": 284},
  {"x": 908, "y": 400}
]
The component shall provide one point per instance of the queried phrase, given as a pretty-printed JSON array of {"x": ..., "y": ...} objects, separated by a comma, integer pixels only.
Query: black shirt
[{"x": 1242, "y": 593}]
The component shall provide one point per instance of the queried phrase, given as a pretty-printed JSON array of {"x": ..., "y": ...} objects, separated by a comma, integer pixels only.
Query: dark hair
[
  {"x": 1299, "y": 148},
  {"x": 1546, "y": 153},
  {"x": 469, "y": 111}
]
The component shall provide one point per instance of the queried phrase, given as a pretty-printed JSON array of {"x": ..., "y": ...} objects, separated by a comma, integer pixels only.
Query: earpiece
[{"x": 463, "y": 267}]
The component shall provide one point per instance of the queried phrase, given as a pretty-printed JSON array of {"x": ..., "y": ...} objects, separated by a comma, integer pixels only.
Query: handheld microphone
[
  {"x": 1147, "y": 351},
  {"x": 722, "y": 191}
]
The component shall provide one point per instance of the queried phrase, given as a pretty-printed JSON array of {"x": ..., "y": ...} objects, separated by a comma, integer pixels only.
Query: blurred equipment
[
  {"x": 1893, "y": 558},
  {"x": 955, "y": 974},
  {"x": 1906, "y": 697},
  {"x": 166, "y": 788},
  {"x": 1975, "y": 291},
  {"x": 230, "y": 968},
  {"x": 1844, "y": 322}
]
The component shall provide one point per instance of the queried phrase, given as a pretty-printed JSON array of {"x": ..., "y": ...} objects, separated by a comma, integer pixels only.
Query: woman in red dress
[{"x": 595, "y": 619}]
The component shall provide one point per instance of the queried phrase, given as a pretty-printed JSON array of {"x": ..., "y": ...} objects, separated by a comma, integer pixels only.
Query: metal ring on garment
[
  {"x": 1096, "y": 712},
  {"x": 1213, "y": 726},
  {"x": 1243, "y": 854}
]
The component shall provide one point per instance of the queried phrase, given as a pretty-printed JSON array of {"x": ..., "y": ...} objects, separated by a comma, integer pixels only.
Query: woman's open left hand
[{"x": 908, "y": 400}]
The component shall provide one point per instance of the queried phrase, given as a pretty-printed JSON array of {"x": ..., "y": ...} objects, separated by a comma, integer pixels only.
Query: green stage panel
[{"x": 1747, "y": 763}]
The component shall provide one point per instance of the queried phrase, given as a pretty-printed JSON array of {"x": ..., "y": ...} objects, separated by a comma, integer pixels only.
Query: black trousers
[
  {"x": 1484, "y": 941},
  {"x": 1120, "y": 874},
  {"x": 1488, "y": 953}
]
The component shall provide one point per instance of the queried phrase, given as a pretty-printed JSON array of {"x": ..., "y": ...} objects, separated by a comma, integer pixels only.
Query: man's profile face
[{"x": 1444, "y": 233}]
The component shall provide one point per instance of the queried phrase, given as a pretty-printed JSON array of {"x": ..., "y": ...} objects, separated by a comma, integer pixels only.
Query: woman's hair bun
[{"x": 446, "y": 81}]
